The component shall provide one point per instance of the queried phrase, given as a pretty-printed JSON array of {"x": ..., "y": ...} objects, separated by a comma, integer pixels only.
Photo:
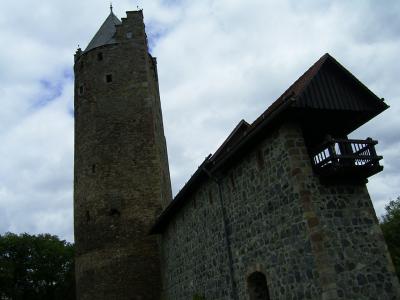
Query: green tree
[
  {"x": 36, "y": 267},
  {"x": 390, "y": 225}
]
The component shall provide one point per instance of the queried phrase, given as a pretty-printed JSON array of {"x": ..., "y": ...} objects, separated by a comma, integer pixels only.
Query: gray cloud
[{"x": 219, "y": 62}]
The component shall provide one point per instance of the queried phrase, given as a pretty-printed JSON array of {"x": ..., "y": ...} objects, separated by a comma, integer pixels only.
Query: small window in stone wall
[
  {"x": 113, "y": 212},
  {"x": 87, "y": 216},
  {"x": 260, "y": 159},
  {"x": 210, "y": 196},
  {"x": 257, "y": 286},
  {"x": 233, "y": 181},
  {"x": 81, "y": 90},
  {"x": 173, "y": 226},
  {"x": 100, "y": 56},
  {"x": 129, "y": 35},
  {"x": 109, "y": 78}
]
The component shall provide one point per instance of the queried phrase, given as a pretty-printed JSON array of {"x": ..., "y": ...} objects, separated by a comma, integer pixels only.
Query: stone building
[
  {"x": 121, "y": 179},
  {"x": 279, "y": 211}
]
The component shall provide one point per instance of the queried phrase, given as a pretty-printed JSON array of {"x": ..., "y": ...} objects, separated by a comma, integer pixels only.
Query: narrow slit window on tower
[
  {"x": 94, "y": 168},
  {"x": 109, "y": 78},
  {"x": 210, "y": 196},
  {"x": 233, "y": 181},
  {"x": 81, "y": 90},
  {"x": 99, "y": 56},
  {"x": 87, "y": 216},
  {"x": 260, "y": 159},
  {"x": 113, "y": 212}
]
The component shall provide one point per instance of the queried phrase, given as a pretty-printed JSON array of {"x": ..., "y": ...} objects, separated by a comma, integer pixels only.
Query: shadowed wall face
[
  {"x": 121, "y": 179},
  {"x": 291, "y": 236}
]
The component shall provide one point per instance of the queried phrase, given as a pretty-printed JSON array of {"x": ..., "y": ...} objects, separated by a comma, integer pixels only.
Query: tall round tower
[{"x": 121, "y": 179}]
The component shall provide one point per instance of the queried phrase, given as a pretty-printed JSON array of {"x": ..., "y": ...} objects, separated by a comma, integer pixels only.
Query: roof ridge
[
  {"x": 301, "y": 83},
  {"x": 296, "y": 88},
  {"x": 230, "y": 137}
]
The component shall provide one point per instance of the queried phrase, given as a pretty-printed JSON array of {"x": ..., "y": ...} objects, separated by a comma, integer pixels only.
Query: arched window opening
[{"x": 257, "y": 286}]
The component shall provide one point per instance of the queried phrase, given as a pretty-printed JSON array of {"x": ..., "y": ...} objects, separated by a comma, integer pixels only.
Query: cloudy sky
[{"x": 219, "y": 61}]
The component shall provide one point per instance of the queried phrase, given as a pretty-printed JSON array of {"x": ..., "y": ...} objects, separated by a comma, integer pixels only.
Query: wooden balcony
[{"x": 346, "y": 159}]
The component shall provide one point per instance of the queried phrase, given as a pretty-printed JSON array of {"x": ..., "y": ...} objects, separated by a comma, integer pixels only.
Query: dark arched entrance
[{"x": 257, "y": 286}]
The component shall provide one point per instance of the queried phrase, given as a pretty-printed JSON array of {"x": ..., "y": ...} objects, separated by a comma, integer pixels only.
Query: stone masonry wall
[
  {"x": 121, "y": 168},
  {"x": 351, "y": 254},
  {"x": 305, "y": 237},
  {"x": 266, "y": 229}
]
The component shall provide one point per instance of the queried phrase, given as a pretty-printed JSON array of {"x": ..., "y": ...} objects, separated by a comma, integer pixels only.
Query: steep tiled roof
[
  {"x": 297, "y": 87},
  {"x": 105, "y": 35}
]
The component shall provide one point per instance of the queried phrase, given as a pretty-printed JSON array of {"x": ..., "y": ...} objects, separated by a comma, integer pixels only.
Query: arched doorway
[{"x": 257, "y": 286}]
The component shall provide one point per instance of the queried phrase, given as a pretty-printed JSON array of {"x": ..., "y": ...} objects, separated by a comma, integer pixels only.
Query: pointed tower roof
[{"x": 105, "y": 35}]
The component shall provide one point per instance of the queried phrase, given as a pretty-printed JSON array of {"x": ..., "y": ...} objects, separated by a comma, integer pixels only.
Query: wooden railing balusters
[{"x": 347, "y": 155}]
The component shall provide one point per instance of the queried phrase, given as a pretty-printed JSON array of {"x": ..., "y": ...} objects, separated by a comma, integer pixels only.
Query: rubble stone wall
[{"x": 310, "y": 240}]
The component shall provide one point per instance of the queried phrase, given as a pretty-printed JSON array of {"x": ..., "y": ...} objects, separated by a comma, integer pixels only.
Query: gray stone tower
[{"x": 121, "y": 177}]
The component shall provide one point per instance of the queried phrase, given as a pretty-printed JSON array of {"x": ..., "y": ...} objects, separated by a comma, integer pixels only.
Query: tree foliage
[
  {"x": 391, "y": 230},
  {"x": 36, "y": 267}
]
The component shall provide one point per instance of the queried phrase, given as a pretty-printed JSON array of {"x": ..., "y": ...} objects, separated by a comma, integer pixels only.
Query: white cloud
[{"x": 219, "y": 62}]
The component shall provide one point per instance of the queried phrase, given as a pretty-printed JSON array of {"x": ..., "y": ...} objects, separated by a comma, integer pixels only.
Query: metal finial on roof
[
  {"x": 105, "y": 35},
  {"x": 111, "y": 7}
]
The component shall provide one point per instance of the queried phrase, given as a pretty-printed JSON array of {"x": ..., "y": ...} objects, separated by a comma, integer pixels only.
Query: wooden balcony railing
[{"x": 348, "y": 158}]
